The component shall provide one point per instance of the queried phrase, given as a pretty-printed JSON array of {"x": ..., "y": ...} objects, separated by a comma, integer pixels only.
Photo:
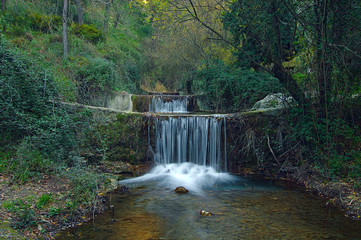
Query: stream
[
  {"x": 243, "y": 208},
  {"x": 189, "y": 151}
]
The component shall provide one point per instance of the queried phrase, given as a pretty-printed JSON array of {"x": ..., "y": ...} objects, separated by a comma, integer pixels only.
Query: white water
[
  {"x": 190, "y": 139},
  {"x": 189, "y": 175},
  {"x": 177, "y": 105},
  {"x": 188, "y": 149}
]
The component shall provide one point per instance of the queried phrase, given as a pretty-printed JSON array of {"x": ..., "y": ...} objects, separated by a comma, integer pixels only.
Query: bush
[
  {"x": 99, "y": 76},
  {"x": 85, "y": 185},
  {"x": 332, "y": 145},
  {"x": 25, "y": 91},
  {"x": 88, "y": 32},
  {"x": 29, "y": 118},
  {"x": 227, "y": 89},
  {"x": 44, "y": 23}
]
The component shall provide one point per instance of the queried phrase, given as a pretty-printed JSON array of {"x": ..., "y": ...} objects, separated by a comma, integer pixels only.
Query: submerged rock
[
  {"x": 205, "y": 213},
  {"x": 181, "y": 190}
]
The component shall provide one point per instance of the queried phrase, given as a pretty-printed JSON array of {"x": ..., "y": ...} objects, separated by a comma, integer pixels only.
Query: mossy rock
[{"x": 125, "y": 139}]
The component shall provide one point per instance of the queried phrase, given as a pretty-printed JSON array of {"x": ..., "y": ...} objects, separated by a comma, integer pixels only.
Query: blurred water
[
  {"x": 193, "y": 177},
  {"x": 162, "y": 104},
  {"x": 244, "y": 208}
]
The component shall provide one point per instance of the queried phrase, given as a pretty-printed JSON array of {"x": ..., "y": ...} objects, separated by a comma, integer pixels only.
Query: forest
[{"x": 228, "y": 53}]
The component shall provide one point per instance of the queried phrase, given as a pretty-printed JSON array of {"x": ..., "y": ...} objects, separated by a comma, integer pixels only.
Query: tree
[
  {"x": 264, "y": 37},
  {"x": 106, "y": 16},
  {"x": 65, "y": 30},
  {"x": 180, "y": 44},
  {"x": 79, "y": 11},
  {"x": 261, "y": 40}
]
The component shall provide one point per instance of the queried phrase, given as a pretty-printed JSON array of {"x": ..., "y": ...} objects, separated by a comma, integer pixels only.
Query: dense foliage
[
  {"x": 104, "y": 56},
  {"x": 311, "y": 47},
  {"x": 27, "y": 106},
  {"x": 231, "y": 89}
]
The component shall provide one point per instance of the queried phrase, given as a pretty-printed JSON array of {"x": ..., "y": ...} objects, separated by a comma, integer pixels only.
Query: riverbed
[{"x": 242, "y": 208}]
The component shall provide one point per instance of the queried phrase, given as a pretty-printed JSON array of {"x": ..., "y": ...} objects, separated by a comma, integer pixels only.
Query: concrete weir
[
  {"x": 228, "y": 142},
  {"x": 124, "y": 101}
]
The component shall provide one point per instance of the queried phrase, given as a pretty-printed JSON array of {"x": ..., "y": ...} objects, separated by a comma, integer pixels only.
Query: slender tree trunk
[
  {"x": 3, "y": 5},
  {"x": 80, "y": 11},
  {"x": 323, "y": 66},
  {"x": 65, "y": 29},
  {"x": 278, "y": 57},
  {"x": 106, "y": 16},
  {"x": 117, "y": 19}
]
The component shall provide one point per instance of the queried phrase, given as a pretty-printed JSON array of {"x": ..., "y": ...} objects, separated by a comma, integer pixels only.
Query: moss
[
  {"x": 125, "y": 139},
  {"x": 141, "y": 102}
]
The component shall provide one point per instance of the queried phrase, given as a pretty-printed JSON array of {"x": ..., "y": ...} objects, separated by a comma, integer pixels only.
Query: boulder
[
  {"x": 273, "y": 101},
  {"x": 181, "y": 190}
]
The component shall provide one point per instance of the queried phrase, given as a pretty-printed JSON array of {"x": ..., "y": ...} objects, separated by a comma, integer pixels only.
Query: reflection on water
[{"x": 243, "y": 208}]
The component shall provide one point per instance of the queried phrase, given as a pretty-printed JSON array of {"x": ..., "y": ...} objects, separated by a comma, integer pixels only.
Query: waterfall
[
  {"x": 168, "y": 104},
  {"x": 195, "y": 139},
  {"x": 187, "y": 148}
]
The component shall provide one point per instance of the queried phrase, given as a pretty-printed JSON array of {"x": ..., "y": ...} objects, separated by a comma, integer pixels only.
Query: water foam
[{"x": 193, "y": 177}]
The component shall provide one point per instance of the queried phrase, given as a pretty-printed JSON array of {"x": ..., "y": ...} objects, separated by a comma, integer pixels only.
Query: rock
[
  {"x": 181, "y": 190},
  {"x": 205, "y": 213},
  {"x": 113, "y": 184},
  {"x": 273, "y": 101},
  {"x": 118, "y": 167}
]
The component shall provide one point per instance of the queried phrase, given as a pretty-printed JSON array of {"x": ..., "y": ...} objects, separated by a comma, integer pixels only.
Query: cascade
[
  {"x": 168, "y": 104},
  {"x": 195, "y": 139},
  {"x": 189, "y": 150},
  {"x": 188, "y": 138}
]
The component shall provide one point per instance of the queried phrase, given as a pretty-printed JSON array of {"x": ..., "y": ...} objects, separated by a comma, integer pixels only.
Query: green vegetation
[
  {"x": 40, "y": 140},
  {"x": 230, "y": 54},
  {"x": 240, "y": 51},
  {"x": 128, "y": 142},
  {"x": 24, "y": 214},
  {"x": 230, "y": 89}
]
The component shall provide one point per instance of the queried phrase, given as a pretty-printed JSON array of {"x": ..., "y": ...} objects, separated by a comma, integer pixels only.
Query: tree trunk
[
  {"x": 65, "y": 29},
  {"x": 117, "y": 19},
  {"x": 289, "y": 83},
  {"x": 324, "y": 67},
  {"x": 106, "y": 16},
  {"x": 278, "y": 57},
  {"x": 80, "y": 12}
]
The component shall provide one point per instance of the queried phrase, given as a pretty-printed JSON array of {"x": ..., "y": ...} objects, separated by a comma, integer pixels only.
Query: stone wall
[
  {"x": 125, "y": 136},
  {"x": 251, "y": 139},
  {"x": 117, "y": 100}
]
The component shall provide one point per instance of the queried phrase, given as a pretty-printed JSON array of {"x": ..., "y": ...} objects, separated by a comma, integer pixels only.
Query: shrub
[
  {"x": 98, "y": 76},
  {"x": 88, "y": 32},
  {"x": 333, "y": 145},
  {"x": 28, "y": 114},
  {"x": 44, "y": 23},
  {"x": 227, "y": 89}
]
